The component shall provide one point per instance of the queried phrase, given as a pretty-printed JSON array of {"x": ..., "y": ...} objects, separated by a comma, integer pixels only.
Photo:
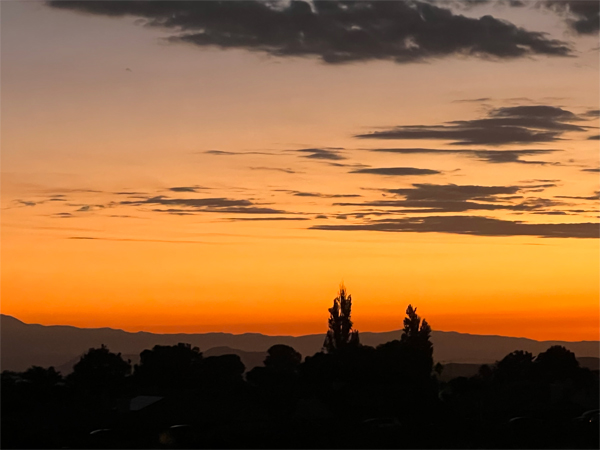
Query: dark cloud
[
  {"x": 193, "y": 189},
  {"x": 397, "y": 171},
  {"x": 319, "y": 195},
  {"x": 594, "y": 137},
  {"x": 452, "y": 198},
  {"x": 321, "y": 153},
  {"x": 274, "y": 169},
  {"x": 502, "y": 126},
  {"x": 87, "y": 208},
  {"x": 189, "y": 206},
  {"x": 490, "y": 156},
  {"x": 472, "y": 225},
  {"x": 62, "y": 215},
  {"x": 583, "y": 16},
  {"x": 224, "y": 153},
  {"x": 452, "y": 191},
  {"x": 473, "y": 100},
  {"x": 594, "y": 197},
  {"x": 165, "y": 241},
  {"x": 25, "y": 203},
  {"x": 593, "y": 113},
  {"x": 592, "y": 169},
  {"x": 334, "y": 31},
  {"x": 189, "y": 202},
  {"x": 255, "y": 219}
]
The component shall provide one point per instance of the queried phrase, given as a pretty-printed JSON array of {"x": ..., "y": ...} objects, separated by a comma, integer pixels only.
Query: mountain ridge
[{"x": 25, "y": 344}]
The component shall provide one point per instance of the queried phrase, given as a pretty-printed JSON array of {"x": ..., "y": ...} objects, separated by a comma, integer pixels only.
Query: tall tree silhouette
[
  {"x": 340, "y": 334},
  {"x": 416, "y": 337}
]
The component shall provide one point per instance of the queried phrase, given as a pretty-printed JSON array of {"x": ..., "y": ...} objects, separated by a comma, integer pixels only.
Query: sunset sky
[{"x": 204, "y": 166}]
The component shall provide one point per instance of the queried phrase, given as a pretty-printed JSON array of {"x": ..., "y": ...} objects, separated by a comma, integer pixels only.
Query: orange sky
[{"x": 130, "y": 198}]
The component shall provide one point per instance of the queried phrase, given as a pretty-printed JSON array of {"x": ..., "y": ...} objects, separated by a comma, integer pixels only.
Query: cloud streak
[
  {"x": 489, "y": 156},
  {"x": 397, "y": 171},
  {"x": 471, "y": 225},
  {"x": 502, "y": 126}
]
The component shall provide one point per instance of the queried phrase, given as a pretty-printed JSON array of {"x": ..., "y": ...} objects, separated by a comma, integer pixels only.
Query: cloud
[
  {"x": 87, "y": 208},
  {"x": 189, "y": 206},
  {"x": 428, "y": 191},
  {"x": 165, "y": 241},
  {"x": 189, "y": 202},
  {"x": 592, "y": 169},
  {"x": 583, "y": 16},
  {"x": 319, "y": 195},
  {"x": 224, "y": 153},
  {"x": 321, "y": 153},
  {"x": 452, "y": 198},
  {"x": 275, "y": 169},
  {"x": 334, "y": 31},
  {"x": 594, "y": 197},
  {"x": 594, "y": 137},
  {"x": 193, "y": 189},
  {"x": 507, "y": 125},
  {"x": 490, "y": 156},
  {"x": 397, "y": 171},
  {"x": 25, "y": 203},
  {"x": 254, "y": 219},
  {"x": 472, "y": 225},
  {"x": 473, "y": 100}
]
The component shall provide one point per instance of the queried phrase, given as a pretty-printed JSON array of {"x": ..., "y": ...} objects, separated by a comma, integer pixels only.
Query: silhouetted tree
[
  {"x": 340, "y": 334},
  {"x": 223, "y": 369},
  {"x": 416, "y": 338},
  {"x": 282, "y": 358},
  {"x": 516, "y": 366},
  {"x": 41, "y": 376},
  {"x": 169, "y": 366},
  {"x": 556, "y": 363},
  {"x": 100, "y": 369}
]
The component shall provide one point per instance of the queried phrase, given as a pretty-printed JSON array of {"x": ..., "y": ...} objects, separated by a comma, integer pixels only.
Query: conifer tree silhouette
[
  {"x": 340, "y": 334},
  {"x": 416, "y": 336}
]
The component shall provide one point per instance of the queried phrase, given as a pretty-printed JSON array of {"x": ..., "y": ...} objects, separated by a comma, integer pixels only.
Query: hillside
[{"x": 24, "y": 345}]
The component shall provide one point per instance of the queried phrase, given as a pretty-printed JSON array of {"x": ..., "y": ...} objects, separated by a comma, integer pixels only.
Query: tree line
[{"x": 348, "y": 395}]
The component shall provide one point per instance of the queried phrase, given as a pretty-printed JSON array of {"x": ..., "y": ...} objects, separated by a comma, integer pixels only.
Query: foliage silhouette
[
  {"x": 340, "y": 334},
  {"x": 282, "y": 358},
  {"x": 99, "y": 370},
  {"x": 416, "y": 337},
  {"x": 557, "y": 363},
  {"x": 169, "y": 365}
]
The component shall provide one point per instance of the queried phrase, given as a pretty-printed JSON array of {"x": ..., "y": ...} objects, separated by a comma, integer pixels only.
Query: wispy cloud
[
  {"x": 397, "y": 171},
  {"x": 489, "y": 156},
  {"x": 502, "y": 126},
  {"x": 471, "y": 225}
]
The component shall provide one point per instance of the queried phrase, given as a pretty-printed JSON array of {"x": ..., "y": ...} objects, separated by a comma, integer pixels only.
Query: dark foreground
[{"x": 360, "y": 397}]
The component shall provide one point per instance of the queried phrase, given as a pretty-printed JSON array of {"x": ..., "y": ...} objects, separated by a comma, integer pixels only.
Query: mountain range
[{"x": 24, "y": 345}]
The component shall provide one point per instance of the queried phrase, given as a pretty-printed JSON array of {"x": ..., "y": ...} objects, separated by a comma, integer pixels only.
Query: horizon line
[{"x": 285, "y": 335}]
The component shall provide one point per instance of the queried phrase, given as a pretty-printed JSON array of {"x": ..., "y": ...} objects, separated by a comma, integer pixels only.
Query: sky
[{"x": 223, "y": 166}]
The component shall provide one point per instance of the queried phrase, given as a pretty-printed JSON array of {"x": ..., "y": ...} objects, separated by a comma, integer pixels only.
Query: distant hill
[{"x": 24, "y": 345}]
